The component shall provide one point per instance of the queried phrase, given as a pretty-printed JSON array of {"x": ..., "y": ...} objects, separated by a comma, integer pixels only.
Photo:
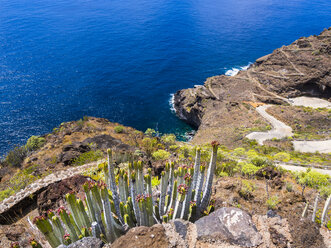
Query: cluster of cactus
[
  {"x": 324, "y": 212},
  {"x": 126, "y": 200}
]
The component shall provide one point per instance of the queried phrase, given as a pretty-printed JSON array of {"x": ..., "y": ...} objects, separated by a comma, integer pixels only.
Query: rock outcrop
[
  {"x": 224, "y": 228},
  {"x": 301, "y": 68},
  {"x": 231, "y": 225}
]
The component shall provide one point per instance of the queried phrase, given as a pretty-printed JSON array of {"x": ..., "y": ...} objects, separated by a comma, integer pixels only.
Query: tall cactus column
[{"x": 210, "y": 175}]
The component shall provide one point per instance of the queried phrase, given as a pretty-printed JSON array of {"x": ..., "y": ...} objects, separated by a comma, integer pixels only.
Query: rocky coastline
[
  {"x": 264, "y": 209},
  {"x": 299, "y": 69}
]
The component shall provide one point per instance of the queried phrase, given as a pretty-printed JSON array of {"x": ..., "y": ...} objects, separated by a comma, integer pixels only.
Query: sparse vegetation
[
  {"x": 160, "y": 155},
  {"x": 34, "y": 143},
  {"x": 88, "y": 157},
  {"x": 16, "y": 156},
  {"x": 246, "y": 190},
  {"x": 168, "y": 139},
  {"x": 289, "y": 187},
  {"x": 272, "y": 202},
  {"x": 118, "y": 129}
]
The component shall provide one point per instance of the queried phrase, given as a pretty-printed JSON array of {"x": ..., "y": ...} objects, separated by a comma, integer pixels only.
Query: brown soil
[
  {"x": 235, "y": 121},
  {"x": 142, "y": 237},
  {"x": 307, "y": 123},
  {"x": 305, "y": 234},
  {"x": 301, "y": 68}
]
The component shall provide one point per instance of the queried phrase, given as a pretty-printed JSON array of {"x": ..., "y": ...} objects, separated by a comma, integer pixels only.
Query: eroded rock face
[
  {"x": 229, "y": 224},
  {"x": 53, "y": 195},
  {"x": 302, "y": 68}
]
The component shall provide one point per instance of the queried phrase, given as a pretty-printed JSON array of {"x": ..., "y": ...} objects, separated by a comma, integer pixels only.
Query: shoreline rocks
[{"x": 299, "y": 69}]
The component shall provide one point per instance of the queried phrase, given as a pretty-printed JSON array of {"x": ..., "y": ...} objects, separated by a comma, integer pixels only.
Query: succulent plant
[{"x": 126, "y": 200}]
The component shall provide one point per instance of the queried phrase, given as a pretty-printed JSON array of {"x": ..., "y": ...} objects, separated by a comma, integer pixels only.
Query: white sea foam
[
  {"x": 172, "y": 103},
  {"x": 234, "y": 71}
]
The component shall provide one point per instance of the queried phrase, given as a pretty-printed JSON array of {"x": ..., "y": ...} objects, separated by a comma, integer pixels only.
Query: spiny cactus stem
[
  {"x": 150, "y": 214},
  {"x": 82, "y": 214},
  {"x": 198, "y": 190},
  {"x": 325, "y": 209},
  {"x": 186, "y": 206},
  {"x": 113, "y": 185},
  {"x": 196, "y": 167},
  {"x": 179, "y": 205},
  {"x": 108, "y": 216},
  {"x": 46, "y": 228},
  {"x": 305, "y": 210},
  {"x": 69, "y": 225},
  {"x": 96, "y": 199},
  {"x": 58, "y": 228},
  {"x": 96, "y": 231},
  {"x": 89, "y": 204},
  {"x": 315, "y": 208},
  {"x": 128, "y": 220},
  {"x": 209, "y": 180},
  {"x": 173, "y": 195},
  {"x": 72, "y": 203},
  {"x": 164, "y": 185},
  {"x": 133, "y": 197}
]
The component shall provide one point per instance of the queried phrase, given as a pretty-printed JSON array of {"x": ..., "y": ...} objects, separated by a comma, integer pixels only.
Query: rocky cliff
[{"x": 218, "y": 107}]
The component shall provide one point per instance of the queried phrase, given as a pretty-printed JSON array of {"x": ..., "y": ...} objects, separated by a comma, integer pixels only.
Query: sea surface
[{"x": 122, "y": 60}]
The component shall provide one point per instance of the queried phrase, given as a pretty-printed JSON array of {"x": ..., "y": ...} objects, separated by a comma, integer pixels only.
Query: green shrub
[
  {"x": 260, "y": 161},
  {"x": 230, "y": 167},
  {"x": 251, "y": 153},
  {"x": 184, "y": 152},
  {"x": 223, "y": 174},
  {"x": 6, "y": 193},
  {"x": 138, "y": 153},
  {"x": 168, "y": 139},
  {"x": 150, "y": 132},
  {"x": 239, "y": 151},
  {"x": 161, "y": 155},
  {"x": 246, "y": 190},
  {"x": 248, "y": 169},
  {"x": 15, "y": 157},
  {"x": 173, "y": 148},
  {"x": 96, "y": 174},
  {"x": 289, "y": 187},
  {"x": 325, "y": 191},
  {"x": 282, "y": 156},
  {"x": 272, "y": 202},
  {"x": 149, "y": 145},
  {"x": 34, "y": 143},
  {"x": 155, "y": 181},
  {"x": 313, "y": 179},
  {"x": 88, "y": 157},
  {"x": 23, "y": 178},
  {"x": 118, "y": 129}
]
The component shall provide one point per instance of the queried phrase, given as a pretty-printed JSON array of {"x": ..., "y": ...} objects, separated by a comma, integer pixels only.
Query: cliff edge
[{"x": 221, "y": 108}]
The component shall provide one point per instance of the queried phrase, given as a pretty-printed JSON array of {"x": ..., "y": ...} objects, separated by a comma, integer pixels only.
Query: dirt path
[
  {"x": 301, "y": 168},
  {"x": 281, "y": 130}
]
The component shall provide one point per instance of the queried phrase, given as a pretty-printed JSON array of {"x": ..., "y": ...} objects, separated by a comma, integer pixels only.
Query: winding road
[{"x": 281, "y": 130}]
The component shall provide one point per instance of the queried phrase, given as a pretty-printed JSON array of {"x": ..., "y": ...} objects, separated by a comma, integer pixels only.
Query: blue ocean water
[{"x": 121, "y": 60}]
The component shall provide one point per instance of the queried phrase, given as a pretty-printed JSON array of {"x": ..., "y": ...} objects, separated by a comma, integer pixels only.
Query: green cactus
[
  {"x": 210, "y": 174},
  {"x": 46, "y": 228},
  {"x": 129, "y": 203}
]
